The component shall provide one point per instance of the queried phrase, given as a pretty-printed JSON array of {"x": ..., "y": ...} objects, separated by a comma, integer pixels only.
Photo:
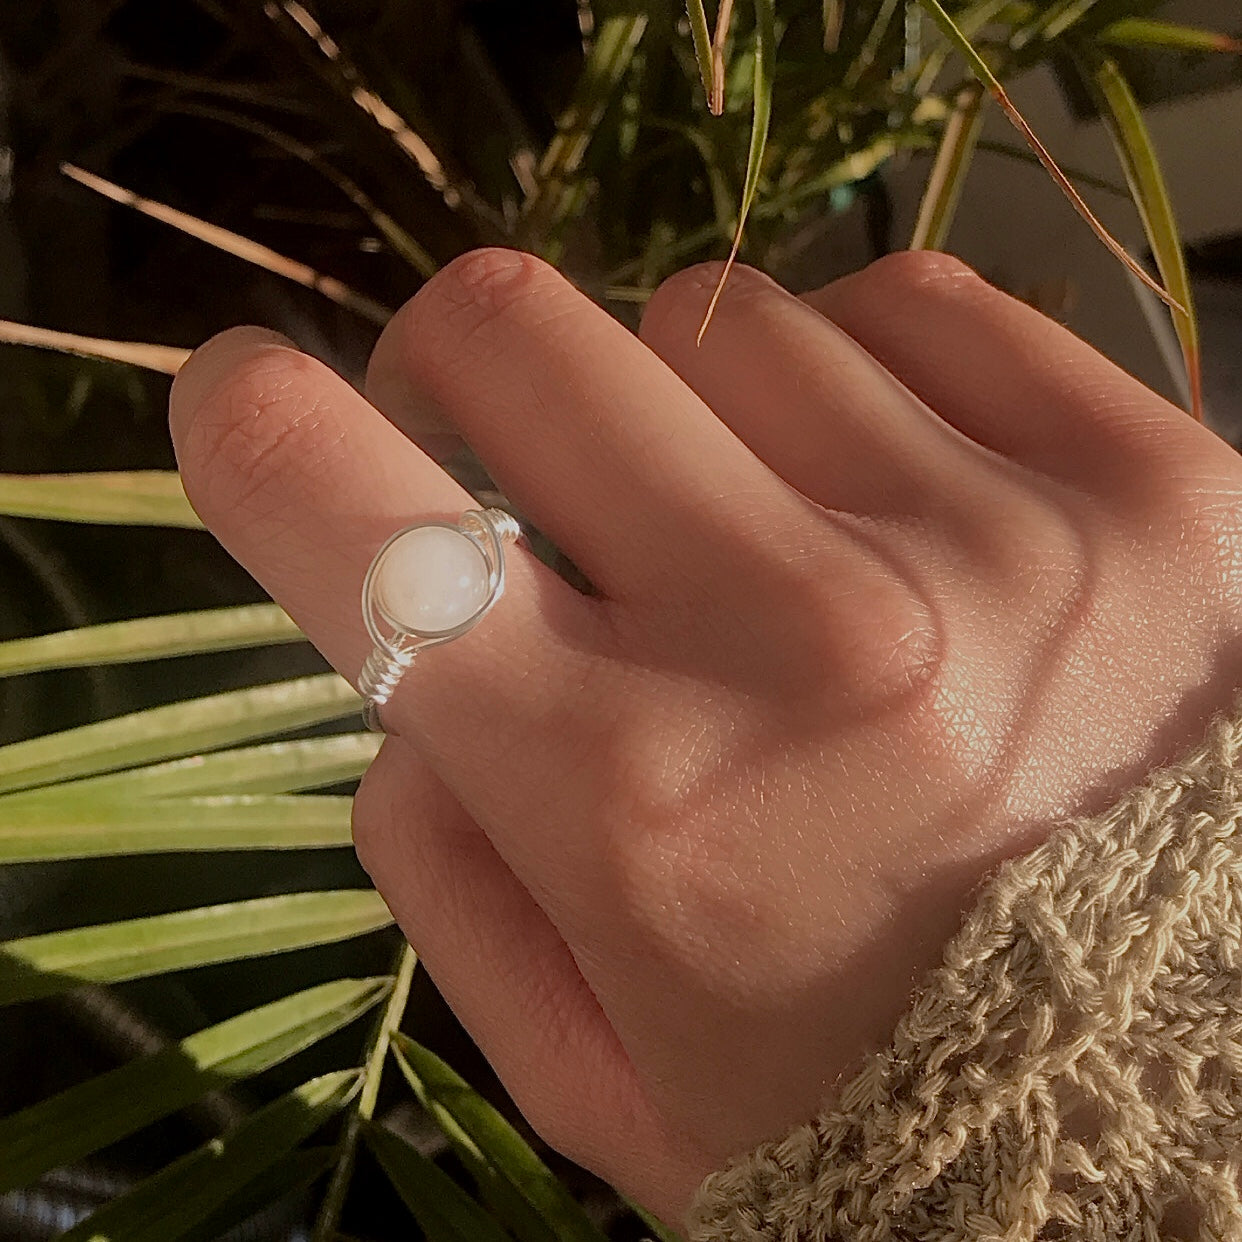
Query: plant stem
[
  {"x": 944, "y": 185},
  {"x": 364, "y": 1106},
  {"x": 723, "y": 16}
]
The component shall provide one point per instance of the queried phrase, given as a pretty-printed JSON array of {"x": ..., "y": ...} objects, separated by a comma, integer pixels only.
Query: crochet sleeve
[{"x": 1072, "y": 1071}]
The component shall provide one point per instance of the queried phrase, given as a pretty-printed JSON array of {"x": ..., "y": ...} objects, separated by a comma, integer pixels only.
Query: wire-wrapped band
[{"x": 402, "y": 622}]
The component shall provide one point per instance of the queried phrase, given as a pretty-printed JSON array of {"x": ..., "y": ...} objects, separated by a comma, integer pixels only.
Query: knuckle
[
  {"x": 644, "y": 776},
  {"x": 909, "y": 273},
  {"x": 482, "y": 307},
  {"x": 683, "y": 298},
  {"x": 481, "y": 286},
  {"x": 869, "y": 643}
]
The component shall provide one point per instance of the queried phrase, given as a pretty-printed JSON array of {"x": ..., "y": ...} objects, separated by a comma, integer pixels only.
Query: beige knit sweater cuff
[{"x": 1073, "y": 1070}]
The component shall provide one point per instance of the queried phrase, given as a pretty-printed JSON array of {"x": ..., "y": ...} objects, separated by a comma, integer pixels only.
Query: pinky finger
[{"x": 505, "y": 971}]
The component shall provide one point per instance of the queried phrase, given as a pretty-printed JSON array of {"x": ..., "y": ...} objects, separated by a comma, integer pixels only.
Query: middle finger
[{"x": 592, "y": 436}]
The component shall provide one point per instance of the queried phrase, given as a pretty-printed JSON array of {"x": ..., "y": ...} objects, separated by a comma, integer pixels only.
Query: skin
[{"x": 892, "y": 578}]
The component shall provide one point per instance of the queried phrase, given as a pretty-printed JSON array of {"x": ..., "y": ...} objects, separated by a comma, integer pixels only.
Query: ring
[{"x": 428, "y": 584}]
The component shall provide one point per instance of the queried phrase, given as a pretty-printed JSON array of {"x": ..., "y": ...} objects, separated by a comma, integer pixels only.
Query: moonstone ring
[{"x": 428, "y": 584}]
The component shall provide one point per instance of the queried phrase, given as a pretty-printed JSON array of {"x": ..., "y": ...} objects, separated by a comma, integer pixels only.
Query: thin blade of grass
[
  {"x": 124, "y": 498},
  {"x": 870, "y": 44},
  {"x": 295, "y": 21},
  {"x": 45, "y": 830},
  {"x": 238, "y": 246},
  {"x": 1138, "y": 157},
  {"x": 1049, "y": 22},
  {"x": 444, "y": 1212},
  {"x": 948, "y": 174},
  {"x": 702, "y": 44},
  {"x": 399, "y": 239},
  {"x": 979, "y": 67},
  {"x": 38, "y": 966},
  {"x": 270, "y": 768},
  {"x": 612, "y": 50},
  {"x": 1147, "y": 32},
  {"x": 151, "y": 638},
  {"x": 165, "y": 1206},
  {"x": 1078, "y": 175},
  {"x": 1064, "y": 15},
  {"x": 374, "y": 1062},
  {"x": 765, "y": 54},
  {"x": 162, "y": 359},
  {"x": 99, "y": 1112},
  {"x": 970, "y": 21},
  {"x": 176, "y": 729},
  {"x": 460, "y": 1111}
]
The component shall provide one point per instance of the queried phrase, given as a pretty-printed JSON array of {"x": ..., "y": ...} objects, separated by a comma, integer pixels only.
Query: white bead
[{"x": 432, "y": 579}]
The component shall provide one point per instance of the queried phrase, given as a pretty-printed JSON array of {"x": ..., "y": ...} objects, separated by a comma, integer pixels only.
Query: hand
[{"x": 890, "y": 578}]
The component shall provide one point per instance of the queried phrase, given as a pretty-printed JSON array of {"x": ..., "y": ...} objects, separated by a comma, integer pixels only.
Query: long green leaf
[
  {"x": 702, "y": 42},
  {"x": 979, "y": 67},
  {"x": 1151, "y": 196},
  {"x": 458, "y": 1109},
  {"x": 57, "y": 961},
  {"x": 948, "y": 174},
  {"x": 270, "y": 768},
  {"x": 43, "y": 830},
  {"x": 150, "y": 638},
  {"x": 445, "y": 1213},
  {"x": 164, "y": 1207},
  {"x": 99, "y": 1112},
  {"x": 177, "y": 729},
  {"x": 611, "y": 52},
  {"x": 131, "y": 498},
  {"x": 506, "y": 1202},
  {"x": 1146, "y": 32},
  {"x": 761, "y": 121}
]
